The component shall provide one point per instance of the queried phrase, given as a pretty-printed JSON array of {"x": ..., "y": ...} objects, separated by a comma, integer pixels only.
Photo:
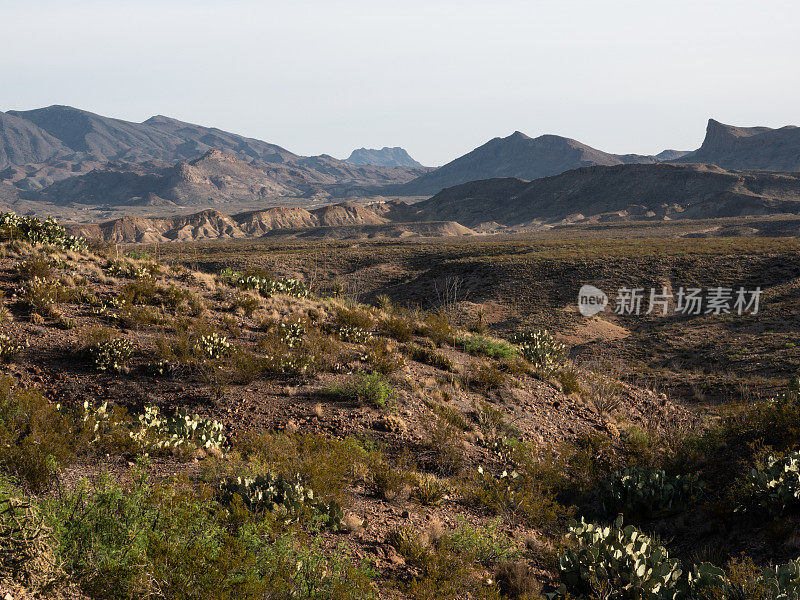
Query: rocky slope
[{"x": 358, "y": 220}]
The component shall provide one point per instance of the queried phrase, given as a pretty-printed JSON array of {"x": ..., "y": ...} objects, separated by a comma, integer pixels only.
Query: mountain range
[
  {"x": 66, "y": 157},
  {"x": 635, "y": 192}
]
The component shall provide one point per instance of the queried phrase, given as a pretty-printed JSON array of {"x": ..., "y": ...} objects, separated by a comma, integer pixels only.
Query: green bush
[
  {"x": 478, "y": 345},
  {"x": 370, "y": 388},
  {"x": 328, "y": 466},
  {"x": 399, "y": 328},
  {"x": 35, "y": 438},
  {"x": 173, "y": 540},
  {"x": 267, "y": 287},
  {"x": 486, "y": 545},
  {"x": 617, "y": 563},
  {"x": 382, "y": 358},
  {"x": 522, "y": 493}
]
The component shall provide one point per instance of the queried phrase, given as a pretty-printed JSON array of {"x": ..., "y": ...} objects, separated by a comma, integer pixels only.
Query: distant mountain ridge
[
  {"x": 614, "y": 193},
  {"x": 216, "y": 178},
  {"x": 633, "y": 192},
  {"x": 385, "y": 157},
  {"x": 517, "y": 155},
  {"x": 86, "y": 135},
  {"x": 67, "y": 155},
  {"x": 754, "y": 148}
]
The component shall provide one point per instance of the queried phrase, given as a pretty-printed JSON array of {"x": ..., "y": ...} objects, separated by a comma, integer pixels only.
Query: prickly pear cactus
[
  {"x": 650, "y": 492},
  {"x": 286, "y": 499},
  {"x": 775, "y": 487},
  {"x": 618, "y": 563}
]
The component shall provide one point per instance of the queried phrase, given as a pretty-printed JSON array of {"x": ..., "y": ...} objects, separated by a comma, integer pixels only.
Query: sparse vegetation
[{"x": 453, "y": 460}]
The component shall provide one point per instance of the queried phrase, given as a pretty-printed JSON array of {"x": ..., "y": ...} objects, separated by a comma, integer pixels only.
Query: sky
[{"x": 437, "y": 77}]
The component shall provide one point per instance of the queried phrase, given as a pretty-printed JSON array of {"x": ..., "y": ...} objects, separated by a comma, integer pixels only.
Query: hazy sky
[{"x": 436, "y": 77}]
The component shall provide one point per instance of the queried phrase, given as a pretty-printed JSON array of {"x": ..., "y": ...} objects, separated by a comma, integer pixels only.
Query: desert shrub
[
  {"x": 569, "y": 382},
  {"x": 527, "y": 489},
  {"x": 118, "y": 268},
  {"x": 369, "y": 388},
  {"x": 429, "y": 490},
  {"x": 387, "y": 481},
  {"x": 247, "y": 303},
  {"x": 492, "y": 420},
  {"x": 603, "y": 392},
  {"x": 650, "y": 492},
  {"x": 542, "y": 350},
  {"x": 441, "y": 572},
  {"x": 134, "y": 317},
  {"x": 9, "y": 348},
  {"x": 35, "y": 266},
  {"x": 25, "y": 543},
  {"x": 616, "y": 562},
  {"x": 35, "y": 231},
  {"x": 486, "y": 545},
  {"x": 430, "y": 357},
  {"x": 398, "y": 328},
  {"x": 383, "y": 302},
  {"x": 382, "y": 358},
  {"x": 516, "y": 580},
  {"x": 212, "y": 346},
  {"x": 436, "y": 328},
  {"x": 111, "y": 355},
  {"x": 311, "y": 351},
  {"x": 287, "y": 500},
  {"x": 478, "y": 345},
  {"x": 35, "y": 438},
  {"x": 245, "y": 367},
  {"x": 407, "y": 542},
  {"x": 485, "y": 377},
  {"x": 328, "y": 466},
  {"x": 354, "y": 317},
  {"x": 40, "y": 294},
  {"x": 450, "y": 414},
  {"x": 138, "y": 254},
  {"x": 743, "y": 580},
  {"x": 446, "y": 445}
]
